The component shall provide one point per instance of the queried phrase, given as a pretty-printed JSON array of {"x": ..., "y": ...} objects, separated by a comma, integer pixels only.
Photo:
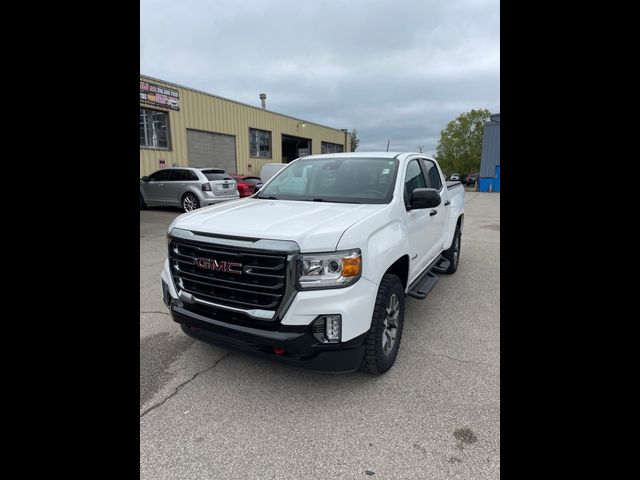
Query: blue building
[{"x": 489, "y": 180}]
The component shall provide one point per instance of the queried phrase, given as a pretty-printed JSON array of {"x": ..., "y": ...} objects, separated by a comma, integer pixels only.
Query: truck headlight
[{"x": 329, "y": 270}]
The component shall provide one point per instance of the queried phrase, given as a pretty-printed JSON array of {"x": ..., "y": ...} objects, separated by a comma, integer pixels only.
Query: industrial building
[
  {"x": 489, "y": 180},
  {"x": 181, "y": 126}
]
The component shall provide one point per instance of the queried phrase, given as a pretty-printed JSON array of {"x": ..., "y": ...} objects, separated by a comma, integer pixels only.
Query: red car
[{"x": 247, "y": 185}]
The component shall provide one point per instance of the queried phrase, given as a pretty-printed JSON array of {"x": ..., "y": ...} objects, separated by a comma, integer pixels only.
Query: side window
[
  {"x": 433, "y": 177},
  {"x": 181, "y": 175},
  {"x": 414, "y": 179},
  {"x": 191, "y": 175},
  {"x": 160, "y": 175},
  {"x": 176, "y": 175}
]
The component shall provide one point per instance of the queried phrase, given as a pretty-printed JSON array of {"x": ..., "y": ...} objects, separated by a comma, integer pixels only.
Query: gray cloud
[{"x": 396, "y": 70}]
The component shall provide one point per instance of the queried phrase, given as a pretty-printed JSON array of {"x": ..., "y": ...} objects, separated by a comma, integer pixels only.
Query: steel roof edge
[{"x": 239, "y": 103}]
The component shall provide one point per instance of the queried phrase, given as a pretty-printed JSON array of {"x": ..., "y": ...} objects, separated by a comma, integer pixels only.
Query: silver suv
[{"x": 187, "y": 187}]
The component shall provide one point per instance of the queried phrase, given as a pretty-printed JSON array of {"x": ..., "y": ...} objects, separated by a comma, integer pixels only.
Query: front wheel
[
  {"x": 190, "y": 202},
  {"x": 383, "y": 339}
]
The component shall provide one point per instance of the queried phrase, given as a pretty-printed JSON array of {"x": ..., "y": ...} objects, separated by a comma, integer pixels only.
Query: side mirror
[
  {"x": 424, "y": 198},
  {"x": 145, "y": 179}
]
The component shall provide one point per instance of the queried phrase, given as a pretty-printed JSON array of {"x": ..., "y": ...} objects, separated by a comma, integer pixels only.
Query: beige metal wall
[{"x": 213, "y": 114}]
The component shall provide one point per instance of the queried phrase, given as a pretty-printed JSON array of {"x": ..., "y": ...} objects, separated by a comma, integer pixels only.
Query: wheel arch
[
  {"x": 188, "y": 191},
  {"x": 400, "y": 268},
  {"x": 449, "y": 236}
]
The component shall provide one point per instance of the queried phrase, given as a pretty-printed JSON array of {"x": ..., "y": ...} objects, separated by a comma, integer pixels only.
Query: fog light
[
  {"x": 332, "y": 327},
  {"x": 327, "y": 328}
]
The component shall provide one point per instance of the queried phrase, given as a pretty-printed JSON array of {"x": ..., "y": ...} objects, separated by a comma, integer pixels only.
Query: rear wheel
[
  {"x": 453, "y": 252},
  {"x": 190, "y": 202},
  {"x": 383, "y": 339}
]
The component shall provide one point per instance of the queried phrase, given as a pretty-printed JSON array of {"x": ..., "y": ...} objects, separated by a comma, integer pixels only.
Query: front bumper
[
  {"x": 293, "y": 333},
  {"x": 212, "y": 200},
  {"x": 300, "y": 347}
]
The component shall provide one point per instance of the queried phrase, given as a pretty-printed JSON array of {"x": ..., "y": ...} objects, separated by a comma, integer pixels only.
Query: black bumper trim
[{"x": 301, "y": 349}]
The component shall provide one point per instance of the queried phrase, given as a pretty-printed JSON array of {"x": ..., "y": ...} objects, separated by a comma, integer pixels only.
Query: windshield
[{"x": 336, "y": 179}]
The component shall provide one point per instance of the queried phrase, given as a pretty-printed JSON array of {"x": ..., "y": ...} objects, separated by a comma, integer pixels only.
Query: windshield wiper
[
  {"x": 318, "y": 199},
  {"x": 268, "y": 198}
]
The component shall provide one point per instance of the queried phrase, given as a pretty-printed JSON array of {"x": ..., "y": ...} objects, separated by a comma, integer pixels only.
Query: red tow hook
[{"x": 278, "y": 350}]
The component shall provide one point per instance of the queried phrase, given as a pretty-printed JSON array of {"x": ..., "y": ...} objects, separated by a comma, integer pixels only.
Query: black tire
[
  {"x": 450, "y": 253},
  {"x": 190, "y": 197},
  {"x": 143, "y": 205},
  {"x": 376, "y": 360}
]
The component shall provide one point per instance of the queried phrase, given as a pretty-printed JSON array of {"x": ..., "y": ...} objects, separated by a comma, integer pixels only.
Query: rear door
[
  {"x": 178, "y": 184},
  {"x": 172, "y": 187},
  {"x": 154, "y": 188},
  {"x": 222, "y": 184}
]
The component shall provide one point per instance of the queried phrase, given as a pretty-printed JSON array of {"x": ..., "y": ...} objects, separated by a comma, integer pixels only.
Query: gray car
[{"x": 186, "y": 187}]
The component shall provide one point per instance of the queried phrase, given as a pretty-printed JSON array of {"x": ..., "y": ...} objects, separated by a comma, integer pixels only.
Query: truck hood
[{"x": 315, "y": 226}]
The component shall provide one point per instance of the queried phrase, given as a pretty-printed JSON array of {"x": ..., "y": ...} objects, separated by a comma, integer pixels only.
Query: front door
[
  {"x": 439, "y": 219},
  {"x": 422, "y": 237}
]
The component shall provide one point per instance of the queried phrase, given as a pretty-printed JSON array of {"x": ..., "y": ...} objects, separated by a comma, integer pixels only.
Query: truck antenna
[{"x": 388, "y": 144}]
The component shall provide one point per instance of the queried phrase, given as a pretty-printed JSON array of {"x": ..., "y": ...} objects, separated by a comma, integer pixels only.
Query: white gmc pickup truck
[{"x": 313, "y": 269}]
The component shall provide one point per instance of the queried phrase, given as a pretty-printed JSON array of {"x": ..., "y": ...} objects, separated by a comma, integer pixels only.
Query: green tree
[
  {"x": 354, "y": 140},
  {"x": 460, "y": 143}
]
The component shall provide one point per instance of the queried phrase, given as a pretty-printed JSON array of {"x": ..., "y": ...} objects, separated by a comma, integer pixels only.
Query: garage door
[{"x": 213, "y": 150}]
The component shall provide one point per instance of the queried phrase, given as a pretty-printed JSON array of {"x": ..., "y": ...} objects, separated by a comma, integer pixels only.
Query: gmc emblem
[{"x": 211, "y": 264}]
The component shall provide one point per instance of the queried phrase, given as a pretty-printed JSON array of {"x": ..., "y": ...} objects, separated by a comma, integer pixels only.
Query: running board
[
  {"x": 421, "y": 287},
  {"x": 442, "y": 265}
]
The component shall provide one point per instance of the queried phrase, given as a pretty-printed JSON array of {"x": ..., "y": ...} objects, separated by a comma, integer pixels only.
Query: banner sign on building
[{"x": 153, "y": 94}]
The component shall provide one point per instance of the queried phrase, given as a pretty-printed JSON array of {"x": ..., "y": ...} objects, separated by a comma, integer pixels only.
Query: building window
[
  {"x": 154, "y": 129},
  {"x": 259, "y": 143},
  {"x": 331, "y": 148}
]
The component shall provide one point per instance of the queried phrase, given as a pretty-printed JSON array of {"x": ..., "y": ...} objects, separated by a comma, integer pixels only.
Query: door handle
[
  {"x": 433, "y": 212},
  {"x": 447, "y": 203}
]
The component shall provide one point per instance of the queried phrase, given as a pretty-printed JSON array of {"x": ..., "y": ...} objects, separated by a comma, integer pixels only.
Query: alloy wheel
[
  {"x": 390, "y": 324},
  {"x": 189, "y": 203}
]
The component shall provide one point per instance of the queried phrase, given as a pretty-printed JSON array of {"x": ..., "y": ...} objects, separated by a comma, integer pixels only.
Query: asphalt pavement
[{"x": 208, "y": 413}]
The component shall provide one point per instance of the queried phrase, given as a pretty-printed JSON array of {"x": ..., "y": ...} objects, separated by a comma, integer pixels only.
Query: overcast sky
[{"x": 392, "y": 69}]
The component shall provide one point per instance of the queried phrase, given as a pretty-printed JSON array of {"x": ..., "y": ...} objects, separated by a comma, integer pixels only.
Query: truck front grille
[{"x": 229, "y": 277}]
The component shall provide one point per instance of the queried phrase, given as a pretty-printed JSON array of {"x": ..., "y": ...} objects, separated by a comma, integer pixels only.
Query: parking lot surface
[{"x": 208, "y": 413}]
